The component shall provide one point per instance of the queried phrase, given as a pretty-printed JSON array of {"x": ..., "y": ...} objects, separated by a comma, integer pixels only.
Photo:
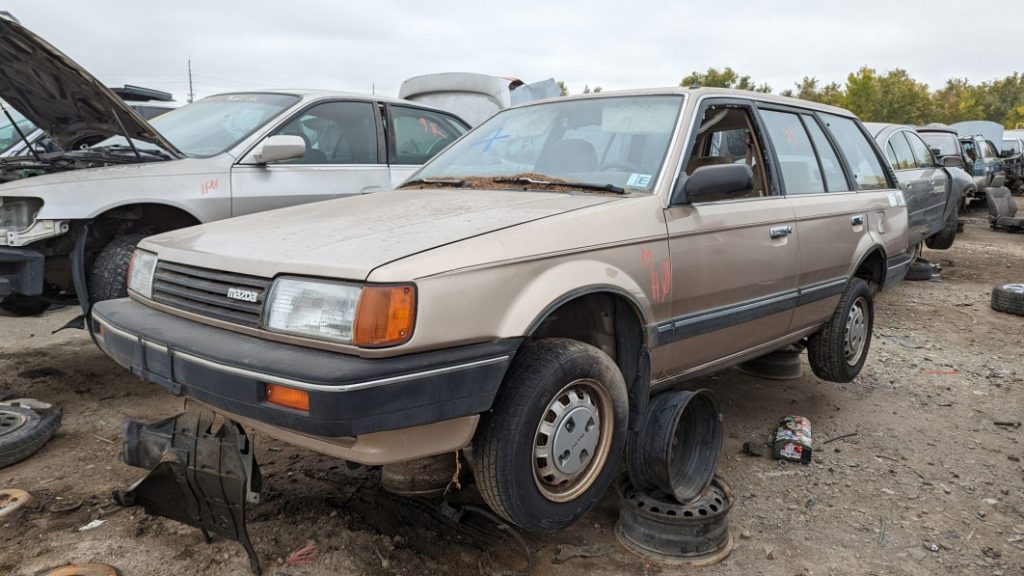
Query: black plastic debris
[{"x": 201, "y": 473}]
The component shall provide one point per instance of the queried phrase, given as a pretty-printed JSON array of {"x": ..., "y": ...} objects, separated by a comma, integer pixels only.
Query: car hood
[
  {"x": 59, "y": 96},
  {"x": 348, "y": 238}
]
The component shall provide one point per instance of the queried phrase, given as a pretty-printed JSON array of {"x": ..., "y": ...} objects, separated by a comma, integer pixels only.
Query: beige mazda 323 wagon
[{"x": 527, "y": 290}]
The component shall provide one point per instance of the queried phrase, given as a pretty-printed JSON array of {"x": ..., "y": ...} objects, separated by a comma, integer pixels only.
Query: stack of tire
[{"x": 673, "y": 508}]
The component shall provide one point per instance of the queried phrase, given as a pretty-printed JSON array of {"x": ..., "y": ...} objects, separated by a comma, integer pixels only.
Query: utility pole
[{"x": 191, "y": 93}]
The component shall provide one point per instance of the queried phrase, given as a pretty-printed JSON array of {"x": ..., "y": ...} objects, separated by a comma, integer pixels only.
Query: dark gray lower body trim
[{"x": 701, "y": 323}]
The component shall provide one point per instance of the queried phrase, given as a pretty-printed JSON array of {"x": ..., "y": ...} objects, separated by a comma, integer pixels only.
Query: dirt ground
[{"x": 925, "y": 484}]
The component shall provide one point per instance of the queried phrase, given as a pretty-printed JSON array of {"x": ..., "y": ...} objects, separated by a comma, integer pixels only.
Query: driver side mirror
[
  {"x": 953, "y": 162},
  {"x": 279, "y": 148},
  {"x": 715, "y": 181}
]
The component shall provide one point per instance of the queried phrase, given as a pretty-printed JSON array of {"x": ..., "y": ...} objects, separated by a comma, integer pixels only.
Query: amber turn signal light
[
  {"x": 288, "y": 397},
  {"x": 385, "y": 315}
]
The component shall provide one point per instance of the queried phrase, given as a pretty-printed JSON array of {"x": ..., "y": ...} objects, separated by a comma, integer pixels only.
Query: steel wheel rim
[
  {"x": 856, "y": 331},
  {"x": 572, "y": 440},
  {"x": 11, "y": 421}
]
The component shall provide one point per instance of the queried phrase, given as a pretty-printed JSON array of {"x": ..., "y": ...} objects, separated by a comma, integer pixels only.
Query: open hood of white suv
[{"x": 60, "y": 97}]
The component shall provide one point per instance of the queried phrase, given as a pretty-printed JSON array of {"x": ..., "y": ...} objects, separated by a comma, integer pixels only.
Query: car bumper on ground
[
  {"x": 21, "y": 272},
  {"x": 348, "y": 396}
]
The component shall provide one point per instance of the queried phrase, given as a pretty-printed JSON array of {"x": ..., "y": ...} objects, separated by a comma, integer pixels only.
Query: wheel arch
[
  {"x": 611, "y": 319},
  {"x": 872, "y": 267}
]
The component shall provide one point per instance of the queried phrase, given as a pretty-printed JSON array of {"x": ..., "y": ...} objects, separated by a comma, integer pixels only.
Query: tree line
[{"x": 894, "y": 96}]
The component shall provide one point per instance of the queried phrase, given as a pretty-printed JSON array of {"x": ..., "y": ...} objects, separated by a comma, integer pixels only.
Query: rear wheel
[
  {"x": 24, "y": 306},
  {"x": 838, "y": 351},
  {"x": 551, "y": 445},
  {"x": 108, "y": 278}
]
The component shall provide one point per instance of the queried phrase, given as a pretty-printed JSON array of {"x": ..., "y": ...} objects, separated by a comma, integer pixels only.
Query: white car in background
[{"x": 68, "y": 235}]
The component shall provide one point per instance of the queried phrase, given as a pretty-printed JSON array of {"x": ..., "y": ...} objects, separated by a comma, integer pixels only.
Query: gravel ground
[{"x": 924, "y": 482}]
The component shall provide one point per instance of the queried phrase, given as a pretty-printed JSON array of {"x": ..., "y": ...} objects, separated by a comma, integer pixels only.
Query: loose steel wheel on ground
[
  {"x": 654, "y": 526},
  {"x": 84, "y": 570},
  {"x": 677, "y": 449}
]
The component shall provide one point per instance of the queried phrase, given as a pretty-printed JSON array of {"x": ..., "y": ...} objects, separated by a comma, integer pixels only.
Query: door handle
[
  {"x": 780, "y": 231},
  {"x": 857, "y": 220}
]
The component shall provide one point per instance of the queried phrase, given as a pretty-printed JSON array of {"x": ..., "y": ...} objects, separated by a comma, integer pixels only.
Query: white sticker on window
[{"x": 639, "y": 180}]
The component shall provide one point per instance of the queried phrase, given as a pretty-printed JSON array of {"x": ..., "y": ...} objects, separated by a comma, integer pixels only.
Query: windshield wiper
[
  {"x": 454, "y": 182},
  {"x": 134, "y": 151},
  {"x": 564, "y": 183},
  {"x": 20, "y": 133}
]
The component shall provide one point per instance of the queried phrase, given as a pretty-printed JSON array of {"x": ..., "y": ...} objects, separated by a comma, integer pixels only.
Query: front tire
[
  {"x": 943, "y": 240},
  {"x": 838, "y": 351},
  {"x": 552, "y": 443},
  {"x": 108, "y": 278}
]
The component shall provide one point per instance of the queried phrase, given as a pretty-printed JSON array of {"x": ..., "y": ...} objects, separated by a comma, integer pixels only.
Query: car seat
[
  {"x": 570, "y": 155},
  {"x": 1002, "y": 210}
]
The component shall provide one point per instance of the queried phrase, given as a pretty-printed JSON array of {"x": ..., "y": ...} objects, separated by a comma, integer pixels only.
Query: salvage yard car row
[{"x": 521, "y": 292}]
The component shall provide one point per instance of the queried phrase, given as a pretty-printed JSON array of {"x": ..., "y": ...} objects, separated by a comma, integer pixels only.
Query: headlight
[
  {"x": 140, "y": 273},
  {"x": 369, "y": 316}
]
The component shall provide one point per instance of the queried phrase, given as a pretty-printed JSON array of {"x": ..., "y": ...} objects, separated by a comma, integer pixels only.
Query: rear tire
[
  {"x": 24, "y": 306},
  {"x": 838, "y": 351},
  {"x": 944, "y": 239},
  {"x": 108, "y": 278},
  {"x": 552, "y": 443}
]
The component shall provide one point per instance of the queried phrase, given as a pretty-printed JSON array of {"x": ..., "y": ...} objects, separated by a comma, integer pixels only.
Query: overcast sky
[{"x": 357, "y": 45}]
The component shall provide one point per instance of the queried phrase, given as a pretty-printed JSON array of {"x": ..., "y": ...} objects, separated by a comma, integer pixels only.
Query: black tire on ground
[
  {"x": 24, "y": 431},
  {"x": 1008, "y": 298},
  {"x": 920, "y": 270},
  {"x": 945, "y": 237},
  {"x": 837, "y": 352},
  {"x": 553, "y": 389},
  {"x": 108, "y": 278},
  {"x": 24, "y": 306}
]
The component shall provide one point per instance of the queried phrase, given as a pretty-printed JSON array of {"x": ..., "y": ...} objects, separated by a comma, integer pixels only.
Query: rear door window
[
  {"x": 835, "y": 178},
  {"x": 801, "y": 173},
  {"x": 921, "y": 152},
  {"x": 868, "y": 173},
  {"x": 904, "y": 157}
]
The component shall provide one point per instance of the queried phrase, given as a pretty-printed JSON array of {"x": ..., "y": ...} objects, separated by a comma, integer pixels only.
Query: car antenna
[
  {"x": 20, "y": 133},
  {"x": 124, "y": 132}
]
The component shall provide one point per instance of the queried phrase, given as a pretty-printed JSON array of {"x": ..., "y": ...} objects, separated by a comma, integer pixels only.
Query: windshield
[
  {"x": 613, "y": 141},
  {"x": 944, "y": 142},
  {"x": 214, "y": 124},
  {"x": 9, "y": 137}
]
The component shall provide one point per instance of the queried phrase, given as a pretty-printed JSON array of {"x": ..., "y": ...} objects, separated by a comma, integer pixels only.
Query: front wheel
[
  {"x": 837, "y": 352},
  {"x": 552, "y": 443},
  {"x": 943, "y": 240},
  {"x": 109, "y": 276}
]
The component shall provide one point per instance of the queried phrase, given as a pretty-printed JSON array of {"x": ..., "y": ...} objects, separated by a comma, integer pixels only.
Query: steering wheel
[
  {"x": 618, "y": 165},
  {"x": 437, "y": 147}
]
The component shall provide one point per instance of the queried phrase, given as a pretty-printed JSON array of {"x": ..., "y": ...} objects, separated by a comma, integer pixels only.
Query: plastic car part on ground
[
  {"x": 1008, "y": 298},
  {"x": 24, "y": 430},
  {"x": 654, "y": 526},
  {"x": 677, "y": 449},
  {"x": 200, "y": 475},
  {"x": 12, "y": 500}
]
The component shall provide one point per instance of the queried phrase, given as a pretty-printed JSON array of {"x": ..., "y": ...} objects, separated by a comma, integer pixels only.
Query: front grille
[{"x": 205, "y": 292}]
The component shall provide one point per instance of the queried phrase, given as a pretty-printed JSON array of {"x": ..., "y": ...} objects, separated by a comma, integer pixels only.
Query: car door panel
[{"x": 344, "y": 157}]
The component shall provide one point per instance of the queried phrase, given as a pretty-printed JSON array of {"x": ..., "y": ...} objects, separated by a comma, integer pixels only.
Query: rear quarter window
[{"x": 868, "y": 173}]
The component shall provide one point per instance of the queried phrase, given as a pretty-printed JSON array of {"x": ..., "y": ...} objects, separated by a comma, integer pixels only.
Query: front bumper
[
  {"x": 348, "y": 396},
  {"x": 21, "y": 272}
]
